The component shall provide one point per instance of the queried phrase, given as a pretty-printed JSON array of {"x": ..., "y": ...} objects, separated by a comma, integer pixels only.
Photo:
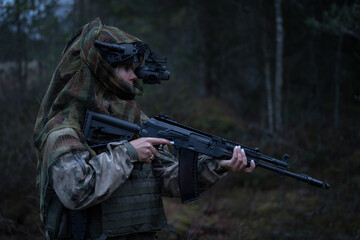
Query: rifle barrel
[{"x": 300, "y": 177}]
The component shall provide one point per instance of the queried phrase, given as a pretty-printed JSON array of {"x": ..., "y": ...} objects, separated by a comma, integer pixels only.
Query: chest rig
[{"x": 135, "y": 207}]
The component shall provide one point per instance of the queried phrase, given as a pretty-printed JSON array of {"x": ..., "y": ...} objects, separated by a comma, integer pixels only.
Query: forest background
[{"x": 279, "y": 75}]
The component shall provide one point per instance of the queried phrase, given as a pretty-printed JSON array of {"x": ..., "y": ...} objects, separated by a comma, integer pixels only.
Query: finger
[
  {"x": 153, "y": 151},
  {"x": 224, "y": 163},
  {"x": 227, "y": 164},
  {"x": 145, "y": 160},
  {"x": 252, "y": 165},
  {"x": 251, "y": 168},
  {"x": 231, "y": 163},
  {"x": 243, "y": 160},
  {"x": 237, "y": 158},
  {"x": 157, "y": 141}
]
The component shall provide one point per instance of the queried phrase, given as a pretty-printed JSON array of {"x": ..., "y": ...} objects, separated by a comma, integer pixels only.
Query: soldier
[{"x": 115, "y": 192}]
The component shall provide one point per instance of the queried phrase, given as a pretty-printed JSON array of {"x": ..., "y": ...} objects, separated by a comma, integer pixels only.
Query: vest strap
[{"x": 78, "y": 223}]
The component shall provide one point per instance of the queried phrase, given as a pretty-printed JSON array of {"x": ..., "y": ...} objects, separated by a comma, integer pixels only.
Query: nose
[{"x": 132, "y": 76}]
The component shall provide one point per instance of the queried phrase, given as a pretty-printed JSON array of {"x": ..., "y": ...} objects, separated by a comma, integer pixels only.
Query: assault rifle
[{"x": 100, "y": 129}]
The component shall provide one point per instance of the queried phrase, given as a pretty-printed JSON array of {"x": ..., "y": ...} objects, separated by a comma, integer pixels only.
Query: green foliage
[{"x": 339, "y": 20}]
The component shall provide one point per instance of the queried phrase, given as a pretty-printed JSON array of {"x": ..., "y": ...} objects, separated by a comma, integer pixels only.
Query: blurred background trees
[{"x": 279, "y": 75}]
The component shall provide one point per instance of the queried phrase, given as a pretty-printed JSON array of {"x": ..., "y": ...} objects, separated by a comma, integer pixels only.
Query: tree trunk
[
  {"x": 337, "y": 80},
  {"x": 267, "y": 76},
  {"x": 315, "y": 75},
  {"x": 20, "y": 53},
  {"x": 278, "y": 66},
  {"x": 79, "y": 7},
  {"x": 315, "y": 98},
  {"x": 209, "y": 48}
]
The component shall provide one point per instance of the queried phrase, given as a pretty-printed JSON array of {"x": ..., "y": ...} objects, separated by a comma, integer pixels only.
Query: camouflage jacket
[{"x": 81, "y": 181}]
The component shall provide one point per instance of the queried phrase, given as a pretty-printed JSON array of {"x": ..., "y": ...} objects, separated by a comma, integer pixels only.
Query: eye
[{"x": 129, "y": 67}]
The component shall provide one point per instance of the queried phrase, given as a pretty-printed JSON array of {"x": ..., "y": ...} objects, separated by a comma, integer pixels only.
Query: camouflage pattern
[
  {"x": 88, "y": 181},
  {"x": 67, "y": 166},
  {"x": 82, "y": 181},
  {"x": 82, "y": 80}
]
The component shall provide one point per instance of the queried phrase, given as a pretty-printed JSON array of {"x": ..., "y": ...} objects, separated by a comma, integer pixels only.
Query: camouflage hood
[{"x": 82, "y": 80}]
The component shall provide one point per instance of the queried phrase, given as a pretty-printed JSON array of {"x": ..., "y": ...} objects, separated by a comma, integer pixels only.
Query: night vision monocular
[{"x": 153, "y": 71}]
